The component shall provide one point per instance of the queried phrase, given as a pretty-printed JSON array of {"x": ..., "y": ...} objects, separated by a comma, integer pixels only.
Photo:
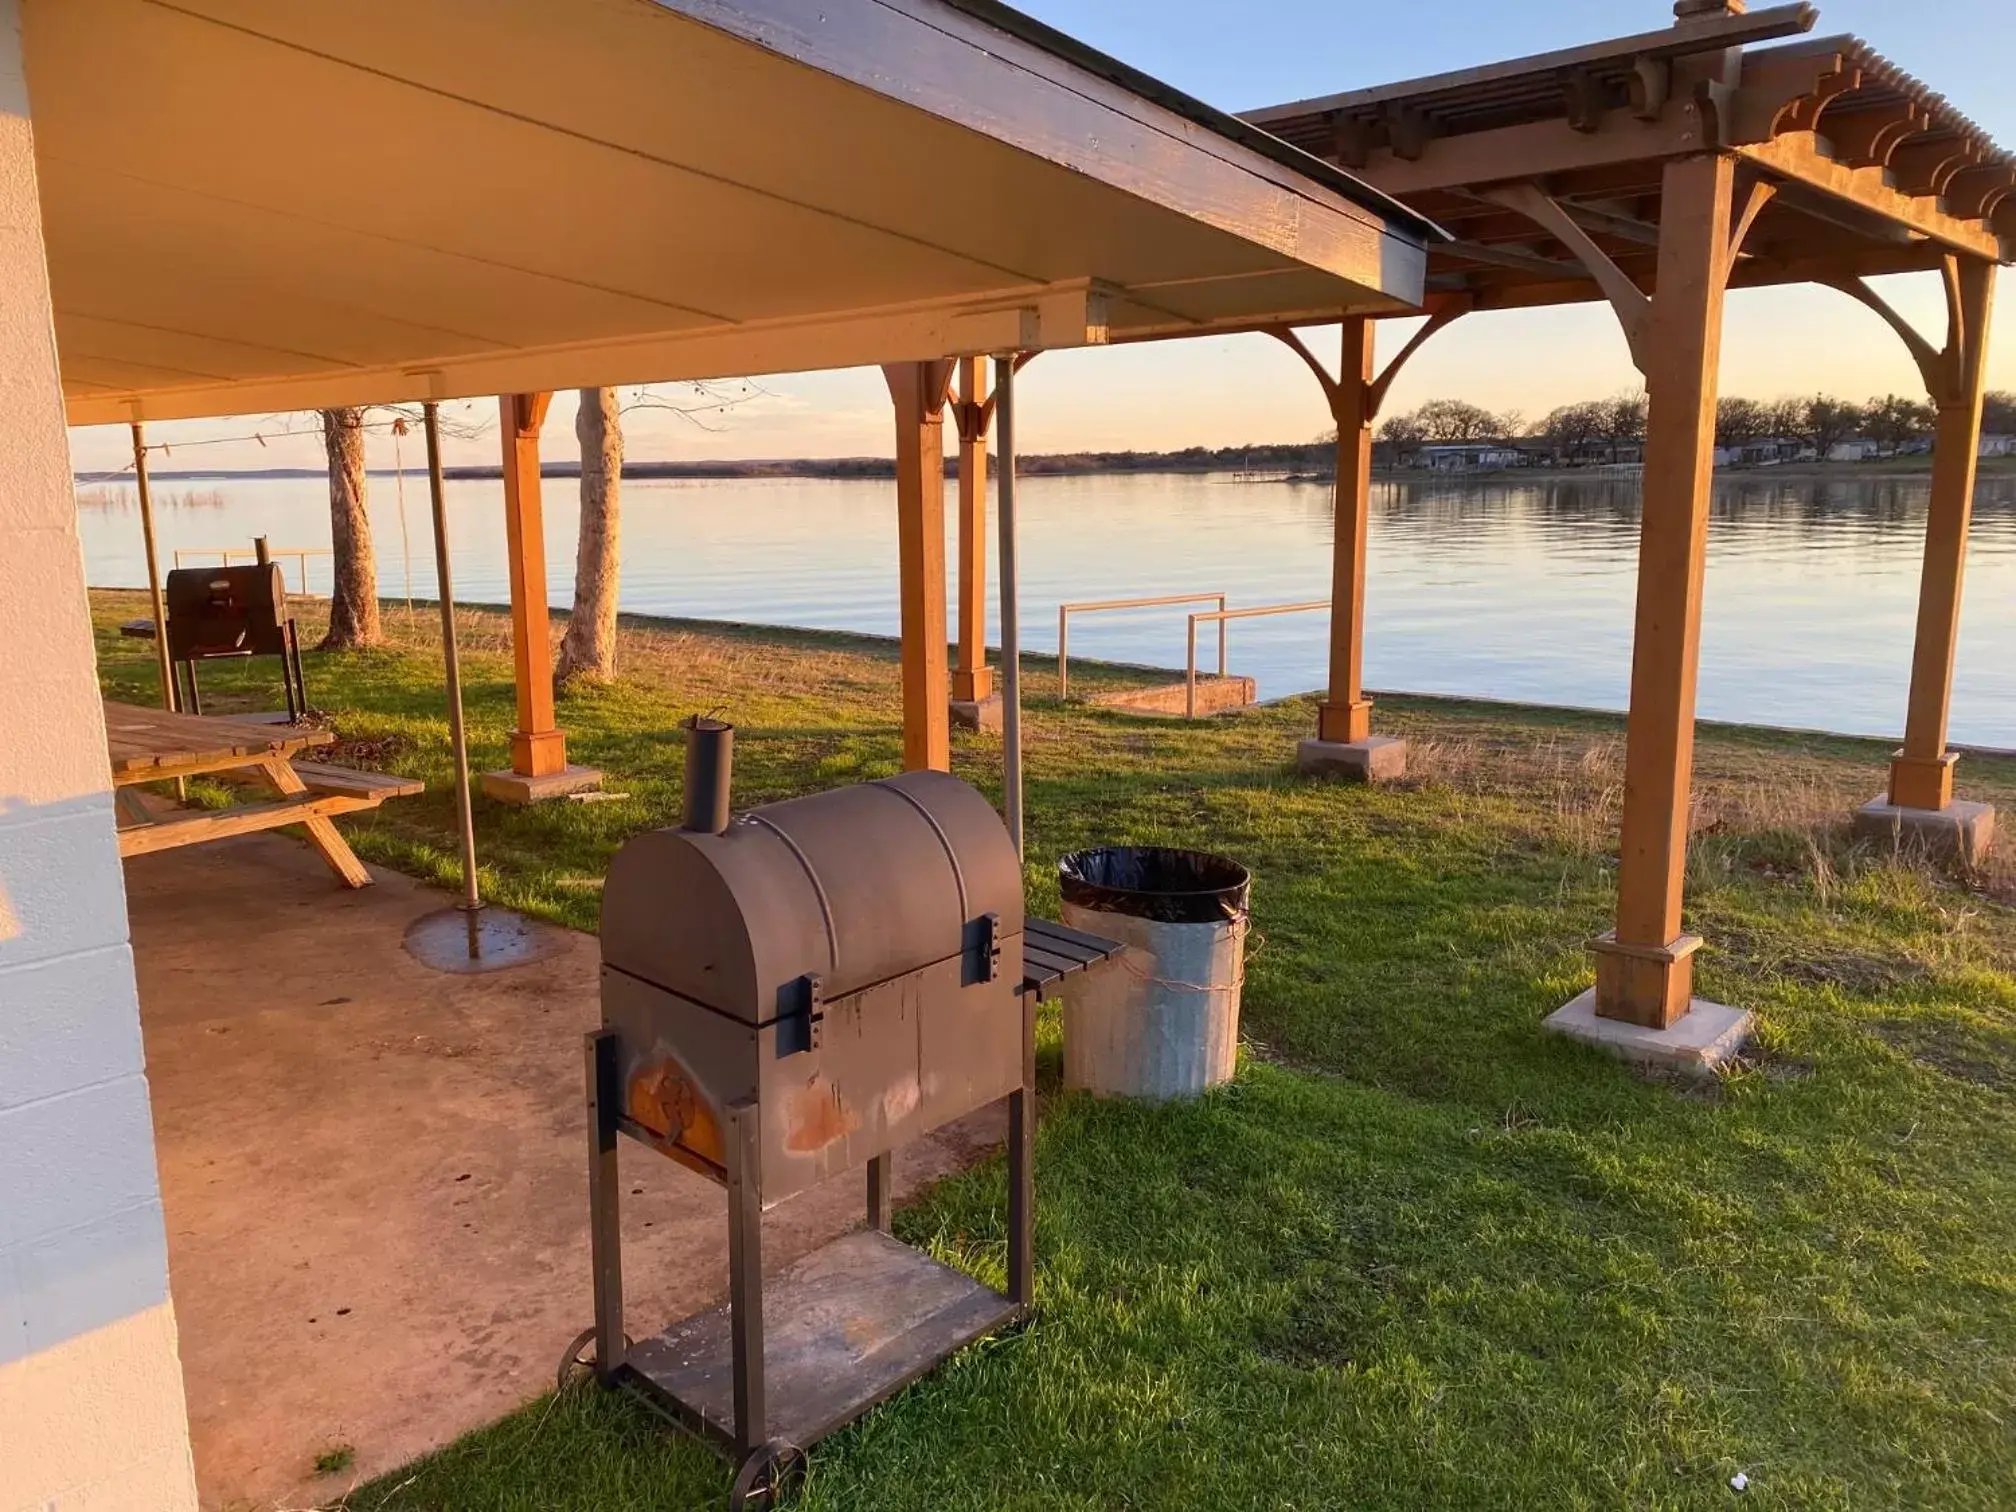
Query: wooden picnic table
[{"x": 153, "y": 745}]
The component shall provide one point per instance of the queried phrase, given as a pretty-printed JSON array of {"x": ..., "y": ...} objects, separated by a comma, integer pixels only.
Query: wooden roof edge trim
[{"x": 1678, "y": 41}]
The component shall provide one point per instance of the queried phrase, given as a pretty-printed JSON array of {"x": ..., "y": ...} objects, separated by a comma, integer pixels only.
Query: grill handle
[{"x": 710, "y": 763}]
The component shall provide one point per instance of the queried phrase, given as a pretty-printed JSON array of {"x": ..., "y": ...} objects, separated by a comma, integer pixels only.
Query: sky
[{"x": 1225, "y": 391}]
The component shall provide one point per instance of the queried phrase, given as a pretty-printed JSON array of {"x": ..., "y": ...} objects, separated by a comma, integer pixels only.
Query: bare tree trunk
[
  {"x": 353, "y": 602},
  {"x": 588, "y": 650}
]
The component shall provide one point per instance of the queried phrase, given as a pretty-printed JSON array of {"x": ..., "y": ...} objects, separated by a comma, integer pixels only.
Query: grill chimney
[{"x": 710, "y": 762}]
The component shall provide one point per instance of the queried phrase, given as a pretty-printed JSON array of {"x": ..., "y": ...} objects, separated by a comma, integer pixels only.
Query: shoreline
[
  {"x": 846, "y": 469},
  {"x": 891, "y": 644}
]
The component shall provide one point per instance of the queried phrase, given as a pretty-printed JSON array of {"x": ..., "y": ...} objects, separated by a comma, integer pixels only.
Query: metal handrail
[
  {"x": 1065, "y": 611},
  {"x": 1221, "y": 615},
  {"x": 227, "y": 554}
]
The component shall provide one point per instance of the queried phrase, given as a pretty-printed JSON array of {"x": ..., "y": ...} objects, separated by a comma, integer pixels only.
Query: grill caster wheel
[
  {"x": 578, "y": 1363},
  {"x": 770, "y": 1474}
]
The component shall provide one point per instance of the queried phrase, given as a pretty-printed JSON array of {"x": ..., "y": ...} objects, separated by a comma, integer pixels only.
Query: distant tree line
[{"x": 1613, "y": 429}]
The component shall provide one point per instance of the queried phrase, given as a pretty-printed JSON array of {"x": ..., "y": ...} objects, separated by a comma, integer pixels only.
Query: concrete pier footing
[
  {"x": 1376, "y": 758},
  {"x": 1962, "y": 829}
]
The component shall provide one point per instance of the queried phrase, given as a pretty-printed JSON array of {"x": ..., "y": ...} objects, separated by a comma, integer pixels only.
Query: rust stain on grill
[
  {"x": 815, "y": 1117},
  {"x": 663, "y": 1099}
]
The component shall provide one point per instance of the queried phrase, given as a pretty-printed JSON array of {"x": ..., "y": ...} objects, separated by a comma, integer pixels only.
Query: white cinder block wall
[{"x": 91, "y": 1405}]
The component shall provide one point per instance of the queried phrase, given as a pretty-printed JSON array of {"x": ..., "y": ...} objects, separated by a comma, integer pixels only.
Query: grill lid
[{"x": 851, "y": 887}]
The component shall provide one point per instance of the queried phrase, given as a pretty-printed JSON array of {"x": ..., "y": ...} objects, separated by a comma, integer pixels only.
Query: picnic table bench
[{"x": 153, "y": 745}]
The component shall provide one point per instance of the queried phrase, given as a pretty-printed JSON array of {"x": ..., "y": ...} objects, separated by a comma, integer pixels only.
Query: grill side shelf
[{"x": 1051, "y": 952}]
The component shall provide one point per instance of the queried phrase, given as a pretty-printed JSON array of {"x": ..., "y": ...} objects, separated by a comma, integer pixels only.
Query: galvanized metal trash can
[{"x": 1162, "y": 1022}]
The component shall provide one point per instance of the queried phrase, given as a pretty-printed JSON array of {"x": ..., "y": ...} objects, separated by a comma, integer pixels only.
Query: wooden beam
[
  {"x": 918, "y": 392},
  {"x": 1797, "y": 156},
  {"x": 538, "y": 746},
  {"x": 972, "y": 680},
  {"x": 1518, "y": 259},
  {"x": 1644, "y": 969},
  {"x": 1069, "y": 313},
  {"x": 1518, "y": 152},
  {"x": 1921, "y": 776}
]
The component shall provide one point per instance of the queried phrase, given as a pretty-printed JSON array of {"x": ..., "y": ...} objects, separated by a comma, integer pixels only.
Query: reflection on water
[{"x": 1502, "y": 590}]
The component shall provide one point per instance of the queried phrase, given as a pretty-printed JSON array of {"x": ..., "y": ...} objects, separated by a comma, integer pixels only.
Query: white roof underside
[{"x": 266, "y": 204}]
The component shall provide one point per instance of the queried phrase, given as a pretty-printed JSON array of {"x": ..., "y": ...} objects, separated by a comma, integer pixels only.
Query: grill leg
[
  {"x": 605, "y": 1233},
  {"x": 745, "y": 1276},
  {"x": 881, "y": 1190},
  {"x": 195, "y": 694},
  {"x": 1022, "y": 1168}
]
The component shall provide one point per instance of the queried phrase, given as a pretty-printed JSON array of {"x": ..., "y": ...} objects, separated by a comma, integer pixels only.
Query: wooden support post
[
  {"x": 1344, "y": 744},
  {"x": 1921, "y": 776},
  {"x": 1346, "y": 714},
  {"x": 538, "y": 748},
  {"x": 972, "y": 681},
  {"x": 918, "y": 390},
  {"x": 539, "y": 767},
  {"x": 1644, "y": 969}
]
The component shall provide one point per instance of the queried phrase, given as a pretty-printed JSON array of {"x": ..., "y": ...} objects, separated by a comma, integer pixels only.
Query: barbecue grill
[
  {"x": 217, "y": 612},
  {"x": 788, "y": 995}
]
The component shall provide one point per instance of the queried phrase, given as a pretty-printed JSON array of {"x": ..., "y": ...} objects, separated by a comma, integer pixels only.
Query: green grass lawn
[{"x": 1418, "y": 1255}]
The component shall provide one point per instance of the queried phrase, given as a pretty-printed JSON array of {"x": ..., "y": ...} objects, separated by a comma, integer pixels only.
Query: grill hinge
[
  {"x": 810, "y": 1011},
  {"x": 983, "y": 948}
]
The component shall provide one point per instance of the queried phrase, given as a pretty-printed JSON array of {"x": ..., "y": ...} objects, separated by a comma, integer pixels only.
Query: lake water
[{"x": 1501, "y": 590}]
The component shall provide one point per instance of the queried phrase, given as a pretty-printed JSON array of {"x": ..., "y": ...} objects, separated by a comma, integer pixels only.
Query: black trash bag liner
[{"x": 1153, "y": 882}]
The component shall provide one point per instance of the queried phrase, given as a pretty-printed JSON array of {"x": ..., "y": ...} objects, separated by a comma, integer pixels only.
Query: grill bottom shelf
[{"x": 846, "y": 1327}]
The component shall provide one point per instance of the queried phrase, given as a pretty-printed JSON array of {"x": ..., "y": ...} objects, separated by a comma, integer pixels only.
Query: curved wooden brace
[
  {"x": 1375, "y": 395},
  {"x": 1632, "y": 304},
  {"x": 1444, "y": 311},
  {"x": 1293, "y": 341},
  {"x": 1760, "y": 194},
  {"x": 1934, "y": 365},
  {"x": 1022, "y": 360}
]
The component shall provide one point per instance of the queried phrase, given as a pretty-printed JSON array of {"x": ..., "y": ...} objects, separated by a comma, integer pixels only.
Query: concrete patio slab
[
  {"x": 374, "y": 1172},
  {"x": 1706, "y": 1038}
]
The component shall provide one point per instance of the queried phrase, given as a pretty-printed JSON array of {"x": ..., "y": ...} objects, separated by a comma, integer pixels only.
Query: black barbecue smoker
[
  {"x": 221, "y": 612},
  {"x": 790, "y": 994}
]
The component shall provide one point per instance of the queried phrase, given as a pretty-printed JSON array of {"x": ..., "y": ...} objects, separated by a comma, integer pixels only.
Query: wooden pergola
[{"x": 1657, "y": 172}]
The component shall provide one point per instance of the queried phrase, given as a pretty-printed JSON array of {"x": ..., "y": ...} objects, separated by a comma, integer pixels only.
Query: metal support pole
[
  {"x": 1190, "y": 667},
  {"x": 605, "y": 1196},
  {"x": 1011, "y": 624},
  {"x": 745, "y": 1277},
  {"x": 168, "y": 699},
  {"x": 451, "y": 666}
]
